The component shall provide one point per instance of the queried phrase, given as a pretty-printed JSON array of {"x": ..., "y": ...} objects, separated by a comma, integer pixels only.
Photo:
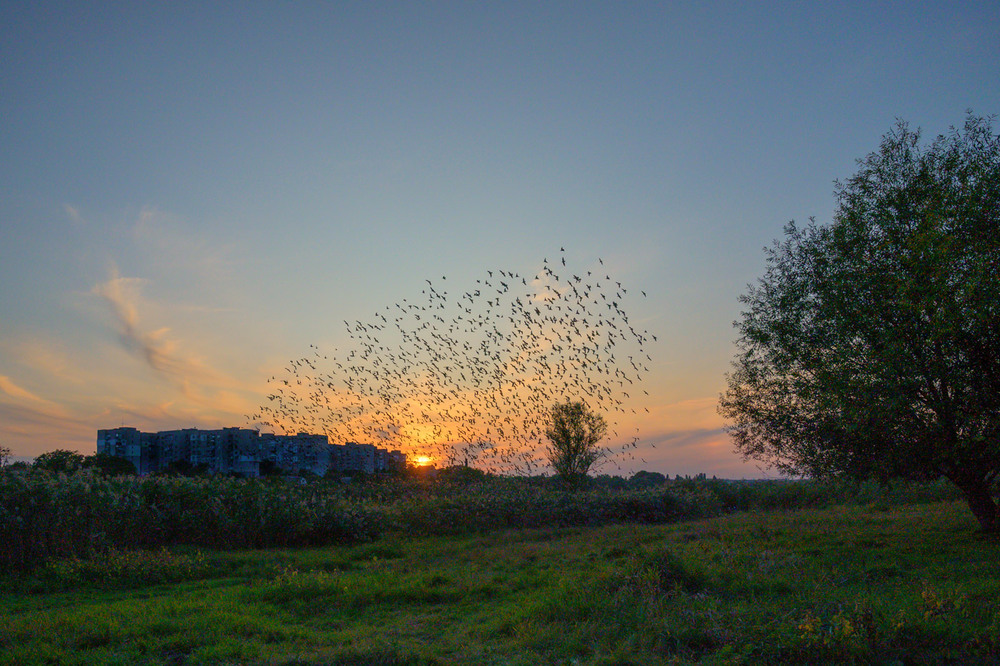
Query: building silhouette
[{"x": 242, "y": 452}]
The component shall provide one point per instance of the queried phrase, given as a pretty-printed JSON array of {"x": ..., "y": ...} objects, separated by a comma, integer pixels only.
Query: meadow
[
  {"x": 909, "y": 584},
  {"x": 898, "y": 575}
]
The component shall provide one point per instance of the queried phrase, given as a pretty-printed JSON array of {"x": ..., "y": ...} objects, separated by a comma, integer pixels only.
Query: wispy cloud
[
  {"x": 11, "y": 393},
  {"x": 156, "y": 347},
  {"x": 693, "y": 451},
  {"x": 122, "y": 294},
  {"x": 31, "y": 424},
  {"x": 8, "y": 386},
  {"x": 690, "y": 413},
  {"x": 685, "y": 440},
  {"x": 73, "y": 214},
  {"x": 200, "y": 393},
  {"x": 30, "y": 430},
  {"x": 687, "y": 437},
  {"x": 166, "y": 415},
  {"x": 50, "y": 356}
]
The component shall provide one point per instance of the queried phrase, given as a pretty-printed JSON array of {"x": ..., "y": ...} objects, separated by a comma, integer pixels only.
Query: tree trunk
[{"x": 980, "y": 498}]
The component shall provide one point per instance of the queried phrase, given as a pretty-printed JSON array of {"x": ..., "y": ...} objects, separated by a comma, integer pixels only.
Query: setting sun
[{"x": 422, "y": 461}]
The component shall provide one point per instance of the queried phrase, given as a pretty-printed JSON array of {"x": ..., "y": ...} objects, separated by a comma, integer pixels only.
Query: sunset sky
[{"x": 191, "y": 194}]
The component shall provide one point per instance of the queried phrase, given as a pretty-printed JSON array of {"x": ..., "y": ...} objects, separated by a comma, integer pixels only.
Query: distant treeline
[{"x": 45, "y": 515}]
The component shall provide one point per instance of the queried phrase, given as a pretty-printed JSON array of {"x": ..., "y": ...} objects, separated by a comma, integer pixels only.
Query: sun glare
[{"x": 422, "y": 461}]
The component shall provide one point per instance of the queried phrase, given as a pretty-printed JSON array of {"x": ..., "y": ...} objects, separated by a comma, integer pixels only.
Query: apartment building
[{"x": 241, "y": 451}]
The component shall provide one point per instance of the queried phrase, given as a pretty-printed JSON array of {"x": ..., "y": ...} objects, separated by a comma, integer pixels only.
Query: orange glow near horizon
[
  {"x": 475, "y": 383},
  {"x": 422, "y": 461}
]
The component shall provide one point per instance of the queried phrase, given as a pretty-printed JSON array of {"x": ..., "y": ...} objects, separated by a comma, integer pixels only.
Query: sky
[{"x": 192, "y": 194}]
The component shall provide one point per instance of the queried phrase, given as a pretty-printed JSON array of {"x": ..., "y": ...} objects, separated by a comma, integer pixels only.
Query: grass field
[{"x": 912, "y": 584}]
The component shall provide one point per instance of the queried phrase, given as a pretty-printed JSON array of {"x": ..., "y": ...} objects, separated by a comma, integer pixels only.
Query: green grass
[{"x": 862, "y": 584}]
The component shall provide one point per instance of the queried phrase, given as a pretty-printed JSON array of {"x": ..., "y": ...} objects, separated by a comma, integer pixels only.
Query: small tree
[
  {"x": 574, "y": 432},
  {"x": 644, "y": 479},
  {"x": 59, "y": 460},
  {"x": 871, "y": 347},
  {"x": 4, "y": 456}
]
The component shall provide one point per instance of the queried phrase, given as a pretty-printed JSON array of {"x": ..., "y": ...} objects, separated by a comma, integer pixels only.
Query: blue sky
[{"x": 192, "y": 193}]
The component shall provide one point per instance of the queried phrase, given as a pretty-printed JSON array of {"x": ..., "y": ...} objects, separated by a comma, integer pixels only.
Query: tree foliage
[
  {"x": 644, "y": 479},
  {"x": 109, "y": 465},
  {"x": 70, "y": 462},
  {"x": 574, "y": 433},
  {"x": 59, "y": 460},
  {"x": 871, "y": 346}
]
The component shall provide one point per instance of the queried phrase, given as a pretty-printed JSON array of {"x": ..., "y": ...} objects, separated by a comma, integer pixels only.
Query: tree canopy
[
  {"x": 574, "y": 433},
  {"x": 109, "y": 465},
  {"x": 59, "y": 460},
  {"x": 871, "y": 346},
  {"x": 69, "y": 462}
]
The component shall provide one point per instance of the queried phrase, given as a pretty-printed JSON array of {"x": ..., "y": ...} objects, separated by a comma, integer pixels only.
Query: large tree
[
  {"x": 871, "y": 346},
  {"x": 574, "y": 434}
]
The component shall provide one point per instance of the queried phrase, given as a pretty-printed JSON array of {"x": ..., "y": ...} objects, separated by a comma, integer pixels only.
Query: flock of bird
[{"x": 470, "y": 377}]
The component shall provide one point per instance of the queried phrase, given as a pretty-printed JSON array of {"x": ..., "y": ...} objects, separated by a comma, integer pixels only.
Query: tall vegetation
[
  {"x": 45, "y": 515},
  {"x": 871, "y": 346},
  {"x": 83, "y": 515}
]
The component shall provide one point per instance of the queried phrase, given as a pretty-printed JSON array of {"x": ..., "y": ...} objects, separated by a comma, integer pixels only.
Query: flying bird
[{"x": 473, "y": 379}]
